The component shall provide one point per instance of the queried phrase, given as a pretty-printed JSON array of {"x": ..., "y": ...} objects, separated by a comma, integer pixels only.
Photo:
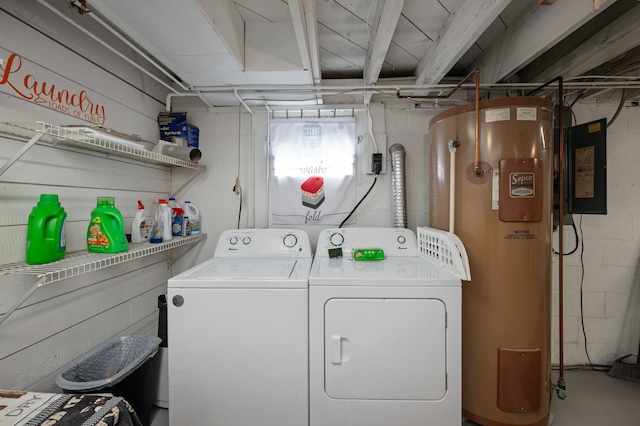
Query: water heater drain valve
[{"x": 560, "y": 388}]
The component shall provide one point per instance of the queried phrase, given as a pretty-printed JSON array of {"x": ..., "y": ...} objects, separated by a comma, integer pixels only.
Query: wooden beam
[
  {"x": 535, "y": 34},
  {"x": 296, "y": 8},
  {"x": 384, "y": 25},
  {"x": 228, "y": 24},
  {"x": 612, "y": 41},
  {"x": 311, "y": 19},
  {"x": 462, "y": 29}
]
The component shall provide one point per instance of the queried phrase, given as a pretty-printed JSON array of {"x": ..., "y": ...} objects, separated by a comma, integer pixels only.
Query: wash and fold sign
[
  {"x": 22, "y": 78},
  {"x": 312, "y": 170}
]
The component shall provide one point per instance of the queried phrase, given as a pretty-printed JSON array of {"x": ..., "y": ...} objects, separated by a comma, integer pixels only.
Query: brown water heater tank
[{"x": 503, "y": 214}]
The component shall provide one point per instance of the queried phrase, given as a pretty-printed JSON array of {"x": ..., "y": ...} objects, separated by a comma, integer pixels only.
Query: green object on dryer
[
  {"x": 106, "y": 232},
  {"x": 367, "y": 254}
]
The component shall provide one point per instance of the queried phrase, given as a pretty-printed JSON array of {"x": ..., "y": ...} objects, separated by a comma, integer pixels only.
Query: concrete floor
[{"x": 593, "y": 399}]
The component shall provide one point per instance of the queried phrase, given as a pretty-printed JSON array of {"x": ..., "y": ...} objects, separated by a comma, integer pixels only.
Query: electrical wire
[
  {"x": 575, "y": 231},
  {"x": 584, "y": 331},
  {"x": 370, "y": 128},
  {"x": 237, "y": 188},
  {"x": 623, "y": 97},
  {"x": 240, "y": 207},
  {"x": 359, "y": 202}
]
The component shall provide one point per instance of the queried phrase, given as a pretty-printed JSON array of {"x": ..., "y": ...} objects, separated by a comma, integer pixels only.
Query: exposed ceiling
[{"x": 328, "y": 51}]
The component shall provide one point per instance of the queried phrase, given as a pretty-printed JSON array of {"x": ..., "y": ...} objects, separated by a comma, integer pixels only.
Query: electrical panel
[{"x": 587, "y": 168}]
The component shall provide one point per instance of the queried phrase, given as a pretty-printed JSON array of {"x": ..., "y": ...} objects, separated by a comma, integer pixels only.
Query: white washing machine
[
  {"x": 238, "y": 333},
  {"x": 385, "y": 335}
]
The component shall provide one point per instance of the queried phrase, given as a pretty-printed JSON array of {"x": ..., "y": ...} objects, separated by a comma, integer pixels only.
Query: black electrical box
[{"x": 587, "y": 168}]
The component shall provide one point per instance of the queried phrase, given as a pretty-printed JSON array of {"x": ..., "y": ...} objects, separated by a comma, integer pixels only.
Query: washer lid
[
  {"x": 246, "y": 273},
  {"x": 409, "y": 271}
]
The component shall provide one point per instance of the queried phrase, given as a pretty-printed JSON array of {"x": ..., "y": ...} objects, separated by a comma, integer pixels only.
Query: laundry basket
[{"x": 122, "y": 367}]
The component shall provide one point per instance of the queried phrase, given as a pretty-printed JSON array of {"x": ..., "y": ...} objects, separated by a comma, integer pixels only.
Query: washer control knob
[
  {"x": 290, "y": 240},
  {"x": 402, "y": 239},
  {"x": 246, "y": 240},
  {"x": 336, "y": 239},
  {"x": 233, "y": 241}
]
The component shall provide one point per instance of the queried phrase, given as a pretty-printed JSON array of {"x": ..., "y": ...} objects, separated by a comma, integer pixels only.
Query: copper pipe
[
  {"x": 451, "y": 92},
  {"x": 477, "y": 171},
  {"x": 560, "y": 390}
]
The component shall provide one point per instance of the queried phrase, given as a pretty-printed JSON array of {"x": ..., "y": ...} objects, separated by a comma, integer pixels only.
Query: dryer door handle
[
  {"x": 339, "y": 349},
  {"x": 336, "y": 349}
]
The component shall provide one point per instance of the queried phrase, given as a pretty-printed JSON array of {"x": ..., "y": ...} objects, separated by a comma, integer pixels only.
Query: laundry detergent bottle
[
  {"x": 141, "y": 229},
  {"x": 165, "y": 217},
  {"x": 106, "y": 233},
  {"x": 177, "y": 214},
  {"x": 46, "y": 231},
  {"x": 194, "y": 217}
]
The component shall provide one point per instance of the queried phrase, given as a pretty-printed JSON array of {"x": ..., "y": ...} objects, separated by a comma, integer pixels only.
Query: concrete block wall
[{"x": 601, "y": 282}]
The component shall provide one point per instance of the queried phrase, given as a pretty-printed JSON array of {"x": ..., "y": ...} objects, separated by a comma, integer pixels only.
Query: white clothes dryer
[
  {"x": 238, "y": 332},
  {"x": 385, "y": 335}
]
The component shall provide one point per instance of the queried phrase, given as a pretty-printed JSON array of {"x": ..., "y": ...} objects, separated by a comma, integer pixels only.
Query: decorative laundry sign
[
  {"x": 17, "y": 78},
  {"x": 312, "y": 164}
]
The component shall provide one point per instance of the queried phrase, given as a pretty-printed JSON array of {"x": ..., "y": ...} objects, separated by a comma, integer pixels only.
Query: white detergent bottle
[
  {"x": 165, "y": 217},
  {"x": 194, "y": 217},
  {"x": 141, "y": 229}
]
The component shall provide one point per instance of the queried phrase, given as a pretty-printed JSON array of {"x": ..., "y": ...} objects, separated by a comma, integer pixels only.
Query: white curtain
[{"x": 312, "y": 170}]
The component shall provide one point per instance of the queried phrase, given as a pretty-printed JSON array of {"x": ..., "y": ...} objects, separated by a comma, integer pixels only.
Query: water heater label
[
  {"x": 521, "y": 190},
  {"x": 497, "y": 114},
  {"x": 522, "y": 185},
  {"x": 526, "y": 114}
]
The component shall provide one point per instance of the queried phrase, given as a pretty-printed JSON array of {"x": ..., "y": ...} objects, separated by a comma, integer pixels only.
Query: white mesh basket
[{"x": 445, "y": 250}]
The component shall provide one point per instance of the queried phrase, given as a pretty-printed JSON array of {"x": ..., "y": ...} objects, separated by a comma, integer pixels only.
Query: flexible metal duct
[{"x": 398, "y": 185}]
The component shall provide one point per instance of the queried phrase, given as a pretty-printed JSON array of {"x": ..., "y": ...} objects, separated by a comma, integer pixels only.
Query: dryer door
[{"x": 388, "y": 349}]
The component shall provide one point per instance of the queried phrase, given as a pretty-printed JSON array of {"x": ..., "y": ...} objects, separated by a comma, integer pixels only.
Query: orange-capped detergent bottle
[{"x": 106, "y": 233}]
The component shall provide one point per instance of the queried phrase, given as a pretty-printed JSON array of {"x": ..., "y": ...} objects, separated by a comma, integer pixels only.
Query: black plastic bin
[{"x": 123, "y": 367}]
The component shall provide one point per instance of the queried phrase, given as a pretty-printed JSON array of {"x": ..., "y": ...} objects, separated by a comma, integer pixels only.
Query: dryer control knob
[
  {"x": 336, "y": 239},
  {"x": 246, "y": 240},
  {"x": 290, "y": 240},
  {"x": 233, "y": 240},
  {"x": 402, "y": 239}
]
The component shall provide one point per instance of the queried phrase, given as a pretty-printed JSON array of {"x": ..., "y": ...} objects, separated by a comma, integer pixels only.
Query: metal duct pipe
[{"x": 398, "y": 185}]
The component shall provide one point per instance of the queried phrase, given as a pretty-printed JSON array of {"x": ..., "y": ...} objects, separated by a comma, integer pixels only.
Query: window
[{"x": 312, "y": 166}]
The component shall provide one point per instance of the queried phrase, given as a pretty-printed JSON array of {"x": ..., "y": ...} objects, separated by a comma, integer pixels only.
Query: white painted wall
[{"x": 64, "y": 320}]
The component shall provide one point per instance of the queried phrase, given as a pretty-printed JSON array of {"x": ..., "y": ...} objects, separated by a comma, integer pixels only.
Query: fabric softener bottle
[
  {"x": 106, "y": 233},
  {"x": 46, "y": 239}
]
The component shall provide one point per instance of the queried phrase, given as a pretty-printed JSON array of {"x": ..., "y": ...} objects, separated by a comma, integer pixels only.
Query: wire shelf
[
  {"x": 53, "y": 134},
  {"x": 82, "y": 262}
]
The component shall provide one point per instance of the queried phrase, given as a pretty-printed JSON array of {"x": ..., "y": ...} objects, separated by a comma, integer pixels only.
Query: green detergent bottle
[
  {"x": 106, "y": 233},
  {"x": 46, "y": 231}
]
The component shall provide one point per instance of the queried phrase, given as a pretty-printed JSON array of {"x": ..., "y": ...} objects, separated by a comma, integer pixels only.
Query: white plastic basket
[{"x": 445, "y": 250}]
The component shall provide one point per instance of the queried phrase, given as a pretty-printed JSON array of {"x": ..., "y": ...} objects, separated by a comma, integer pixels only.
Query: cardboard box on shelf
[{"x": 174, "y": 128}]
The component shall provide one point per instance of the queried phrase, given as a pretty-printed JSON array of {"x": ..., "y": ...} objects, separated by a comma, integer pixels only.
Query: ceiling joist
[{"x": 384, "y": 25}]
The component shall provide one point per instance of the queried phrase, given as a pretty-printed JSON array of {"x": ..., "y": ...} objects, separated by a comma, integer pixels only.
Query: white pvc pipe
[
  {"x": 136, "y": 49},
  {"x": 452, "y": 185},
  {"x": 105, "y": 44}
]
